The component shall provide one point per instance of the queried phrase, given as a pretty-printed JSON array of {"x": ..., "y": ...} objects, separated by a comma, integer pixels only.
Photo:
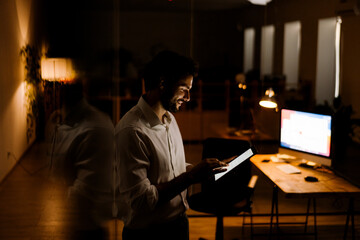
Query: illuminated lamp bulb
[{"x": 268, "y": 101}]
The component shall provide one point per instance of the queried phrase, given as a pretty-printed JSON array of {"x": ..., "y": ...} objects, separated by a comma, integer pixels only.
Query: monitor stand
[{"x": 308, "y": 157}]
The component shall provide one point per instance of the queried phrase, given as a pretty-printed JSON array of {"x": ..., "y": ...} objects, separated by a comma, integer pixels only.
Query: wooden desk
[{"x": 294, "y": 185}]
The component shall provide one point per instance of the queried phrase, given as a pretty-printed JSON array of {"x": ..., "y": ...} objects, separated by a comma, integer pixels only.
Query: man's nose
[{"x": 187, "y": 96}]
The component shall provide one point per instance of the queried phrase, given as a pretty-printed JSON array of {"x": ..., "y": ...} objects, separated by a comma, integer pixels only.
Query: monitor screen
[{"x": 306, "y": 132}]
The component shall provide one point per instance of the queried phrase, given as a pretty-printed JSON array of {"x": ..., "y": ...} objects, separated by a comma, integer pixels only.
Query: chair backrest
[{"x": 235, "y": 183}]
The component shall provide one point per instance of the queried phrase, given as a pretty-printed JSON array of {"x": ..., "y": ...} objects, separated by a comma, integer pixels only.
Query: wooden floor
[{"x": 32, "y": 208}]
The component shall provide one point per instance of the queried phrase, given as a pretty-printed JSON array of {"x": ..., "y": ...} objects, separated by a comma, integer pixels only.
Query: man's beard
[{"x": 168, "y": 103}]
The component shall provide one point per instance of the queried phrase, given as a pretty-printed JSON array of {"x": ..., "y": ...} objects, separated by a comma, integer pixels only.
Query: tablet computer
[{"x": 236, "y": 162}]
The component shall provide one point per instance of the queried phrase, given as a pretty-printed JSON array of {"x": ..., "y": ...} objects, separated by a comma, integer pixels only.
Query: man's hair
[{"x": 169, "y": 67}]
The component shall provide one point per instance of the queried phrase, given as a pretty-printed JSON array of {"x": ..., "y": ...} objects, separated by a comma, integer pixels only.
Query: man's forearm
[
  {"x": 169, "y": 190},
  {"x": 201, "y": 171}
]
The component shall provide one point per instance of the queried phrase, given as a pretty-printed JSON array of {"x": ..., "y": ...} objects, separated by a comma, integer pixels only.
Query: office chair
[{"x": 231, "y": 194}]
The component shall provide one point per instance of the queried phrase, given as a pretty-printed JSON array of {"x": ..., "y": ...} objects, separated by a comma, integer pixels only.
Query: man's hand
[
  {"x": 207, "y": 168},
  {"x": 198, "y": 173},
  {"x": 227, "y": 160}
]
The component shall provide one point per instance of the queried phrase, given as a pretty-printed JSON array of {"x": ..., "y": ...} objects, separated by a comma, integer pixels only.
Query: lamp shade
[
  {"x": 268, "y": 101},
  {"x": 259, "y": 2},
  {"x": 57, "y": 69}
]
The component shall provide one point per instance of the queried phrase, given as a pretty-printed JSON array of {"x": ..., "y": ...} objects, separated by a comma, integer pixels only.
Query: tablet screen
[{"x": 238, "y": 160}]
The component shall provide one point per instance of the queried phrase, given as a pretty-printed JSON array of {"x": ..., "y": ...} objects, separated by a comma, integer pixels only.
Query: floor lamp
[{"x": 56, "y": 70}]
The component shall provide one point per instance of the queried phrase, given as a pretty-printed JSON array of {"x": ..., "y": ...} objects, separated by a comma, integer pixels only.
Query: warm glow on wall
[
  {"x": 57, "y": 69},
  {"x": 23, "y": 9}
]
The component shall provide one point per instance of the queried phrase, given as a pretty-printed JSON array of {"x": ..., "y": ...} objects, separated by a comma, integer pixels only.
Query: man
[
  {"x": 82, "y": 159},
  {"x": 150, "y": 152}
]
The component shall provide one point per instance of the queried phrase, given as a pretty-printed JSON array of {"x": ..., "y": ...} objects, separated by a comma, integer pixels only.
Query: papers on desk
[
  {"x": 276, "y": 159},
  {"x": 280, "y": 158},
  {"x": 285, "y": 156},
  {"x": 288, "y": 168}
]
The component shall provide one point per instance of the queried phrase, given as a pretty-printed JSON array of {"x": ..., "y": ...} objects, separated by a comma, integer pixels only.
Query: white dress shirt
[
  {"x": 82, "y": 157},
  {"x": 149, "y": 152}
]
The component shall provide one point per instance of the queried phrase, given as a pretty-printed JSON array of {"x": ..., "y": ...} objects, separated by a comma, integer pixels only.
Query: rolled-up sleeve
[{"x": 135, "y": 188}]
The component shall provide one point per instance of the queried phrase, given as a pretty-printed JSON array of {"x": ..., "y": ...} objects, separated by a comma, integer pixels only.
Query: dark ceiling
[
  {"x": 162, "y": 5},
  {"x": 165, "y": 5}
]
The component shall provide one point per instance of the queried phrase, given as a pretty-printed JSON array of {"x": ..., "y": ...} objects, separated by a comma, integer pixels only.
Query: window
[
  {"x": 249, "y": 42},
  {"x": 292, "y": 38},
  {"x": 327, "y": 72},
  {"x": 267, "y": 50}
]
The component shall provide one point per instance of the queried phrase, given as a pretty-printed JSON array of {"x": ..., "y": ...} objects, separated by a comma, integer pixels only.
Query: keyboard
[{"x": 288, "y": 168}]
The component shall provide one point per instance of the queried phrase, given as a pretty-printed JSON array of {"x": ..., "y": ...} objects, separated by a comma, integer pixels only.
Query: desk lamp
[
  {"x": 268, "y": 101},
  {"x": 259, "y": 2}
]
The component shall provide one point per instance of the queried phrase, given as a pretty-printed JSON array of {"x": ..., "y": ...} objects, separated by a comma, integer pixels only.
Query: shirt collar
[{"x": 151, "y": 116}]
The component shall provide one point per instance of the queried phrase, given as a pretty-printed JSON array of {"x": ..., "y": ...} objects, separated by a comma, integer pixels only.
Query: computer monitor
[{"x": 306, "y": 136}]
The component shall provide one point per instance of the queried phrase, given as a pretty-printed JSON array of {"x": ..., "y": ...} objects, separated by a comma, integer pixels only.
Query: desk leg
[
  {"x": 350, "y": 213},
  {"x": 219, "y": 235},
  {"x": 252, "y": 226},
  {"x": 277, "y": 210},
  {"x": 272, "y": 213},
  {"x": 352, "y": 219},
  {"x": 315, "y": 225},
  {"x": 275, "y": 205},
  {"x": 307, "y": 214}
]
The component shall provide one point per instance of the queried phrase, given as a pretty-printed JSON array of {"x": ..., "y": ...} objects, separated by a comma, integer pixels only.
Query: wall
[
  {"x": 15, "y": 21},
  {"x": 218, "y": 37},
  {"x": 217, "y": 43},
  {"x": 142, "y": 33},
  {"x": 350, "y": 75},
  {"x": 308, "y": 12}
]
